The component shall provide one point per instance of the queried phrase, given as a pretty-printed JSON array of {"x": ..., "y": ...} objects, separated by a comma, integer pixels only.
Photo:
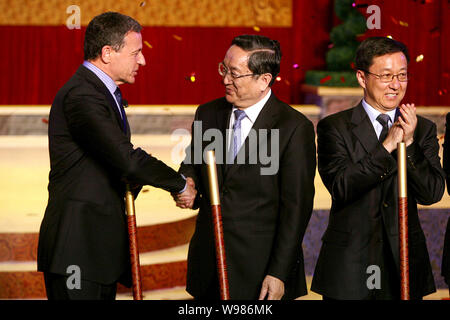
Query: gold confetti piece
[
  {"x": 278, "y": 78},
  {"x": 419, "y": 58},
  {"x": 257, "y": 29},
  {"x": 390, "y": 37},
  {"x": 177, "y": 37},
  {"x": 142, "y": 4},
  {"x": 148, "y": 44},
  {"x": 192, "y": 78},
  {"x": 403, "y": 24}
]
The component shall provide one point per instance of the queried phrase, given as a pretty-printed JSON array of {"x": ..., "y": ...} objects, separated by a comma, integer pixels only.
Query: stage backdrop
[{"x": 185, "y": 39}]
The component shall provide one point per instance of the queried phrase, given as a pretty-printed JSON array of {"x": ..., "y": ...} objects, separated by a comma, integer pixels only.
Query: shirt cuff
[{"x": 185, "y": 186}]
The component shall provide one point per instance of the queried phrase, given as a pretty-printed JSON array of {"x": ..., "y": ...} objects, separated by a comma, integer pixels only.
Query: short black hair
[
  {"x": 265, "y": 54},
  {"x": 107, "y": 29},
  {"x": 374, "y": 47}
]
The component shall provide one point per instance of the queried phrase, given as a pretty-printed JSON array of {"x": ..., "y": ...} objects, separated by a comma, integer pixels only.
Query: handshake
[{"x": 186, "y": 199}]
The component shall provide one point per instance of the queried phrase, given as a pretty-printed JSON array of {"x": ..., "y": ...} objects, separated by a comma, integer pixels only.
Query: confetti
[
  {"x": 323, "y": 80},
  {"x": 295, "y": 66},
  {"x": 287, "y": 82},
  {"x": 257, "y": 29},
  {"x": 403, "y": 24},
  {"x": 142, "y": 4},
  {"x": 390, "y": 37},
  {"x": 331, "y": 45},
  {"x": 419, "y": 58},
  {"x": 278, "y": 78},
  {"x": 442, "y": 92},
  {"x": 148, "y": 44},
  {"x": 394, "y": 20},
  {"x": 191, "y": 77},
  {"x": 44, "y": 120},
  {"x": 177, "y": 37},
  {"x": 342, "y": 79}
]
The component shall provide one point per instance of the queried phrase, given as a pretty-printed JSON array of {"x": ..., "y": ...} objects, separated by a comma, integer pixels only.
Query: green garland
[{"x": 339, "y": 59}]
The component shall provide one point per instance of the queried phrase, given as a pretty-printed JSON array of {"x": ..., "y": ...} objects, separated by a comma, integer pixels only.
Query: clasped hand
[
  {"x": 403, "y": 129},
  {"x": 186, "y": 199}
]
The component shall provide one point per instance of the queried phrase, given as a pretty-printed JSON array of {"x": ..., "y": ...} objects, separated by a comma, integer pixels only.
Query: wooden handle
[
  {"x": 404, "y": 256},
  {"x": 403, "y": 221},
  {"x": 220, "y": 252},
  {"x": 217, "y": 224},
  {"x": 133, "y": 243}
]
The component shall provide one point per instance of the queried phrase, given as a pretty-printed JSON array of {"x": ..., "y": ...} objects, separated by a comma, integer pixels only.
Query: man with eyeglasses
[
  {"x": 359, "y": 258},
  {"x": 264, "y": 215}
]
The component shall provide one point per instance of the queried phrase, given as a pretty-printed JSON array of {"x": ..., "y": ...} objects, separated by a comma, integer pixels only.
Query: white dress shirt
[
  {"x": 374, "y": 113},
  {"x": 251, "y": 113}
]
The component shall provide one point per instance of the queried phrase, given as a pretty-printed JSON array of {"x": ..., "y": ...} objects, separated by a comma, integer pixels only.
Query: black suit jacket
[
  {"x": 361, "y": 177},
  {"x": 446, "y": 164},
  {"x": 264, "y": 216},
  {"x": 91, "y": 159}
]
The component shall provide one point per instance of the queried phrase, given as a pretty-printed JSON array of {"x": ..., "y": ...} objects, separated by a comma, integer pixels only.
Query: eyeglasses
[
  {"x": 389, "y": 77},
  {"x": 223, "y": 71}
]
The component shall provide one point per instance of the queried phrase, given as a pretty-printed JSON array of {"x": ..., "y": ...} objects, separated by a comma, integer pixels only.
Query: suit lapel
[
  {"x": 363, "y": 129},
  {"x": 222, "y": 122},
  {"x": 265, "y": 120},
  {"x": 92, "y": 77}
]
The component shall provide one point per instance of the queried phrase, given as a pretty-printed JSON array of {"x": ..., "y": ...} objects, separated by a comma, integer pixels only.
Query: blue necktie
[
  {"x": 118, "y": 95},
  {"x": 384, "y": 120},
  {"x": 238, "y": 115}
]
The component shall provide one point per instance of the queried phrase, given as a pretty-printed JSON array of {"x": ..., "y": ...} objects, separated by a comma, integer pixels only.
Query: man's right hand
[
  {"x": 395, "y": 135},
  {"x": 186, "y": 199}
]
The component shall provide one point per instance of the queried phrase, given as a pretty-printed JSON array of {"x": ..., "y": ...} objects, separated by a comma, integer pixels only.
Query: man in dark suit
[
  {"x": 84, "y": 231},
  {"x": 359, "y": 258},
  {"x": 266, "y": 203},
  {"x": 446, "y": 164}
]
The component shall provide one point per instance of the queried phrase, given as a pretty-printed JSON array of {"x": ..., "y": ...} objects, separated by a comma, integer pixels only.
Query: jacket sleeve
[
  {"x": 346, "y": 179},
  {"x": 93, "y": 125},
  {"x": 188, "y": 167},
  {"x": 296, "y": 173},
  {"x": 426, "y": 179}
]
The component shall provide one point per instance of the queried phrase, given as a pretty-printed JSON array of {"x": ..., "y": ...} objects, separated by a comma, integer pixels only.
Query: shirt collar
[
  {"x": 253, "y": 111},
  {"x": 374, "y": 113},
  {"x": 107, "y": 81}
]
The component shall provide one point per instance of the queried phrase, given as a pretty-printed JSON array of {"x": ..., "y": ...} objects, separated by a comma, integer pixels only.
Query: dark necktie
[
  {"x": 384, "y": 120},
  {"x": 239, "y": 115},
  {"x": 118, "y": 95}
]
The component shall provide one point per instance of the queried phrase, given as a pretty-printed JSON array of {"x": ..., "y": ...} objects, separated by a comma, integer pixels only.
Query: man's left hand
[
  {"x": 408, "y": 122},
  {"x": 272, "y": 288}
]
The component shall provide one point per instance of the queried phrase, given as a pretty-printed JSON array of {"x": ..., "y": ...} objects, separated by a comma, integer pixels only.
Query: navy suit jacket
[{"x": 91, "y": 159}]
